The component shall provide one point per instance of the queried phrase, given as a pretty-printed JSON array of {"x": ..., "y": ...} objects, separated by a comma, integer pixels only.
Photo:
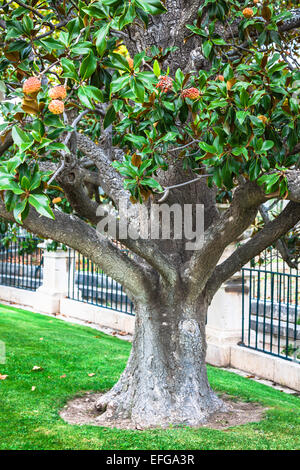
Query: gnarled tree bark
[{"x": 165, "y": 381}]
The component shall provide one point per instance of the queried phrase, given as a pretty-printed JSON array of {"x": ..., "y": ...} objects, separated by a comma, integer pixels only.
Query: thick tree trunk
[{"x": 165, "y": 381}]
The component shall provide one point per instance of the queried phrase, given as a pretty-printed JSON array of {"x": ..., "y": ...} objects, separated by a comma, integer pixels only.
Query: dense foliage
[{"x": 236, "y": 118}]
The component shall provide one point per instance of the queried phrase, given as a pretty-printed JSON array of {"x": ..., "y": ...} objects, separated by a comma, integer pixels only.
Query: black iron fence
[
  {"x": 271, "y": 315},
  {"x": 88, "y": 283},
  {"x": 21, "y": 263}
]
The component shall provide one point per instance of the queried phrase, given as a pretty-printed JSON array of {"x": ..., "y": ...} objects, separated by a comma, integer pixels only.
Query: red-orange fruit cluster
[
  {"x": 56, "y": 107},
  {"x": 32, "y": 85},
  {"x": 191, "y": 93},
  {"x": 165, "y": 83},
  {"x": 248, "y": 12},
  {"x": 221, "y": 78},
  {"x": 58, "y": 93}
]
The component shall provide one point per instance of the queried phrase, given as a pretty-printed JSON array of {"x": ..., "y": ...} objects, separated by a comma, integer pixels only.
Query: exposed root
[
  {"x": 118, "y": 405},
  {"x": 83, "y": 411}
]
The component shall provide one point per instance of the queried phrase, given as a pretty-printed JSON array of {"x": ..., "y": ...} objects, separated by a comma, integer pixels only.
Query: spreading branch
[
  {"x": 77, "y": 234},
  {"x": 110, "y": 180},
  {"x": 275, "y": 229},
  {"x": 229, "y": 227},
  {"x": 8, "y": 141},
  {"x": 279, "y": 244}
]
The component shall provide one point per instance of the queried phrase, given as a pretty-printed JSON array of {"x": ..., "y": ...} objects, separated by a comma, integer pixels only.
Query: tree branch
[
  {"x": 280, "y": 243},
  {"x": 241, "y": 213},
  {"x": 71, "y": 180},
  {"x": 287, "y": 25},
  {"x": 275, "y": 229},
  {"x": 291, "y": 23},
  {"x": 77, "y": 234},
  {"x": 8, "y": 141},
  {"x": 293, "y": 179},
  {"x": 110, "y": 180}
]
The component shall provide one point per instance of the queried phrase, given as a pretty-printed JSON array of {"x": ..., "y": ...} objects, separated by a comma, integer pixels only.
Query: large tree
[{"x": 136, "y": 98}]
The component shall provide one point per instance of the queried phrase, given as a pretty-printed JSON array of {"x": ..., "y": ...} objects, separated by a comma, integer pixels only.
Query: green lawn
[{"x": 29, "y": 419}]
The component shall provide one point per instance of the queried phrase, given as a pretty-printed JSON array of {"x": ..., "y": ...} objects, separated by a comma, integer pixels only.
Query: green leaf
[
  {"x": 20, "y": 137},
  {"x": 228, "y": 72},
  {"x": 96, "y": 11},
  {"x": 58, "y": 146},
  {"x": 139, "y": 90},
  {"x": 219, "y": 42},
  {"x": 85, "y": 98},
  {"x": 35, "y": 181},
  {"x": 262, "y": 38},
  {"x": 81, "y": 48},
  {"x": 207, "y": 148},
  {"x": 51, "y": 44},
  {"x": 148, "y": 78},
  {"x": 69, "y": 69},
  {"x": 25, "y": 183},
  {"x": 119, "y": 83},
  {"x": 41, "y": 203},
  {"x": 8, "y": 183},
  {"x": 138, "y": 59},
  {"x": 180, "y": 77},
  {"x": 127, "y": 17},
  {"x": 53, "y": 121},
  {"x": 110, "y": 116},
  {"x": 244, "y": 97},
  {"x": 118, "y": 105},
  {"x": 207, "y": 47},
  {"x": 101, "y": 39},
  {"x": 154, "y": 7},
  {"x": 13, "y": 163},
  {"x": 137, "y": 140},
  {"x": 268, "y": 179},
  {"x": 152, "y": 183},
  {"x": 88, "y": 66},
  {"x": 241, "y": 116},
  {"x": 18, "y": 209},
  {"x": 267, "y": 145},
  {"x": 92, "y": 92},
  {"x": 27, "y": 23},
  {"x": 156, "y": 68}
]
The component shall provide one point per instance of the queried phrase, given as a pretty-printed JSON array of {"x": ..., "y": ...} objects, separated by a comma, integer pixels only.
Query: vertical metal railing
[
  {"x": 88, "y": 283},
  {"x": 19, "y": 268},
  {"x": 273, "y": 313}
]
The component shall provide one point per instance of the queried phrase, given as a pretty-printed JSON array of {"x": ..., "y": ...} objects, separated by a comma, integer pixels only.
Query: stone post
[
  {"x": 56, "y": 266},
  {"x": 224, "y": 319}
]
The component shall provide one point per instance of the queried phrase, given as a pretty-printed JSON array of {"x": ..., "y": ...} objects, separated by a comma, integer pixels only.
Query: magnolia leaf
[
  {"x": 41, "y": 203},
  {"x": 109, "y": 117},
  {"x": 88, "y": 66},
  {"x": 156, "y": 68}
]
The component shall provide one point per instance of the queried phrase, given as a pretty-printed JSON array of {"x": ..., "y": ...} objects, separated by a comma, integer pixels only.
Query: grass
[{"x": 29, "y": 419}]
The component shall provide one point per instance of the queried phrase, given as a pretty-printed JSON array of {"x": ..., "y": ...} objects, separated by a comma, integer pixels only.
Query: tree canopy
[{"x": 237, "y": 116}]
